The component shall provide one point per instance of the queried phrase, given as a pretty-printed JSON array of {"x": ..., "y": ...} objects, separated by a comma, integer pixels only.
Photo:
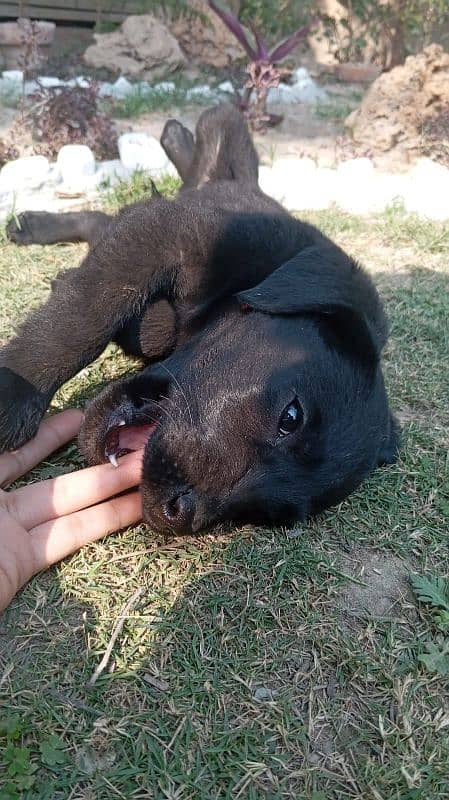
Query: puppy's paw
[
  {"x": 22, "y": 407},
  {"x": 27, "y": 228},
  {"x": 178, "y": 143}
]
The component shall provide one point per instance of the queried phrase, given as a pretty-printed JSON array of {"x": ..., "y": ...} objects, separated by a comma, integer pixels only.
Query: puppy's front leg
[{"x": 138, "y": 257}]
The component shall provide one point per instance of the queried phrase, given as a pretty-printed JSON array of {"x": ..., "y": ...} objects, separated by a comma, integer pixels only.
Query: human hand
[{"x": 44, "y": 522}]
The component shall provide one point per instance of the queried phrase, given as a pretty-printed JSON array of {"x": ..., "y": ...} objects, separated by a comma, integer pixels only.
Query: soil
[{"x": 382, "y": 588}]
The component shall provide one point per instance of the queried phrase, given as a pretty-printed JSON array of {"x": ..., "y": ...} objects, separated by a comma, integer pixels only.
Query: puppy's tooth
[
  {"x": 113, "y": 459},
  {"x": 122, "y": 422}
]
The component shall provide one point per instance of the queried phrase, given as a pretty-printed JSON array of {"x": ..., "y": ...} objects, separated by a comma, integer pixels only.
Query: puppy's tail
[{"x": 223, "y": 149}]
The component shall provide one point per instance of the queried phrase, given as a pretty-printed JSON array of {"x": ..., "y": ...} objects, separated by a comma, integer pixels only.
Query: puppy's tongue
[
  {"x": 127, "y": 438},
  {"x": 135, "y": 437}
]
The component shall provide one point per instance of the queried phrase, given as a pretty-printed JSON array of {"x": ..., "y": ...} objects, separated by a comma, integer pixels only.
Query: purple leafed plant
[{"x": 262, "y": 69}]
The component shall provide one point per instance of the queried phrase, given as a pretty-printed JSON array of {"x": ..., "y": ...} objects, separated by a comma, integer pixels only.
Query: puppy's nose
[{"x": 180, "y": 511}]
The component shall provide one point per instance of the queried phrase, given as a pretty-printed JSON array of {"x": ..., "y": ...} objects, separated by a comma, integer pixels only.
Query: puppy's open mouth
[{"x": 128, "y": 432}]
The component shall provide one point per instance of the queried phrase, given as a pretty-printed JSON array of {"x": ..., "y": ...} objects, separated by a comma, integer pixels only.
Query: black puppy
[{"x": 268, "y": 402}]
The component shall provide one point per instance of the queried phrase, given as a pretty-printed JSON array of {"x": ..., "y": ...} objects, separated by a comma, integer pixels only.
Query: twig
[{"x": 115, "y": 634}]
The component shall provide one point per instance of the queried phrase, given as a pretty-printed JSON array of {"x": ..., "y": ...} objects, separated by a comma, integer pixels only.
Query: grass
[
  {"x": 336, "y": 110},
  {"x": 256, "y": 663},
  {"x": 156, "y": 99}
]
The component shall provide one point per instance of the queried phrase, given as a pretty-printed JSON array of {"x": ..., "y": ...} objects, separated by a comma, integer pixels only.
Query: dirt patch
[{"x": 382, "y": 588}]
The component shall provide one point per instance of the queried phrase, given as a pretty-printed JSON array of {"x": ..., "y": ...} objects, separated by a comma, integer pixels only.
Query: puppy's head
[{"x": 271, "y": 414}]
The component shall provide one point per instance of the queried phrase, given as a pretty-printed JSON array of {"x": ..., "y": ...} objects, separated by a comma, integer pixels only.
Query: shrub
[{"x": 70, "y": 115}]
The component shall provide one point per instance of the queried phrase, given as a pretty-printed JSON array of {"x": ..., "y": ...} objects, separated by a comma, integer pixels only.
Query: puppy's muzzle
[{"x": 180, "y": 510}]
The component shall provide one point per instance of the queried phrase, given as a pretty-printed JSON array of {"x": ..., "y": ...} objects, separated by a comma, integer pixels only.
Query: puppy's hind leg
[
  {"x": 179, "y": 145},
  {"x": 224, "y": 149},
  {"x": 41, "y": 227}
]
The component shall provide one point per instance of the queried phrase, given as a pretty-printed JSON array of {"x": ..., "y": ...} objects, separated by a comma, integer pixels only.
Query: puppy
[{"x": 263, "y": 398}]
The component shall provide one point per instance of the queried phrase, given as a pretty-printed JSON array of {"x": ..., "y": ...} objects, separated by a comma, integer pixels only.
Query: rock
[
  {"x": 305, "y": 88},
  {"x": 110, "y": 172},
  {"x": 354, "y": 185},
  {"x": 203, "y": 92},
  {"x": 206, "y": 42},
  {"x": 140, "y": 151},
  {"x": 80, "y": 81},
  {"x": 386, "y": 190},
  {"x": 105, "y": 89},
  {"x": 27, "y": 172},
  {"x": 7, "y": 197},
  {"x": 401, "y": 102},
  {"x": 264, "y": 695},
  {"x": 302, "y": 90},
  {"x": 75, "y": 163},
  {"x": 14, "y": 75},
  {"x": 163, "y": 86},
  {"x": 121, "y": 88},
  {"x": 48, "y": 82},
  {"x": 428, "y": 190},
  {"x": 293, "y": 179},
  {"x": 281, "y": 94},
  {"x": 142, "y": 47},
  {"x": 226, "y": 87},
  {"x": 269, "y": 183},
  {"x": 30, "y": 87},
  {"x": 11, "y": 84},
  {"x": 298, "y": 184}
]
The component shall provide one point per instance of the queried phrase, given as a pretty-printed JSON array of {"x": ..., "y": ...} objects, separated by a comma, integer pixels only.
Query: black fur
[{"x": 242, "y": 312}]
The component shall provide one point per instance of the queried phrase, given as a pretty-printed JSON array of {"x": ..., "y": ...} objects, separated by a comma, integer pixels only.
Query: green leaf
[
  {"x": 442, "y": 620},
  {"x": 24, "y": 782},
  {"x": 9, "y": 792},
  {"x": 10, "y": 726},
  {"x": 17, "y": 759},
  {"x": 436, "y": 660},
  {"x": 433, "y": 590},
  {"x": 52, "y": 751}
]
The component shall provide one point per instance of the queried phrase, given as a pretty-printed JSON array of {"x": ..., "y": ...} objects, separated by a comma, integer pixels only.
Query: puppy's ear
[{"x": 324, "y": 281}]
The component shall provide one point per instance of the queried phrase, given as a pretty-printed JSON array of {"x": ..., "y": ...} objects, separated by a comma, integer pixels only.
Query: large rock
[
  {"x": 400, "y": 103},
  {"x": 142, "y": 47},
  {"x": 26, "y": 172},
  {"x": 138, "y": 151},
  {"x": 206, "y": 42}
]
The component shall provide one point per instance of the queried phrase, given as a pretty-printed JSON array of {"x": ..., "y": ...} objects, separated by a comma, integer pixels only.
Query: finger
[
  {"x": 52, "y": 434},
  {"x": 61, "y": 537},
  {"x": 16, "y": 558},
  {"x": 35, "y": 504}
]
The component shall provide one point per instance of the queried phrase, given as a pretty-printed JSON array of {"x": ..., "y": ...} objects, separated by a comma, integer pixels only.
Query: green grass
[
  {"x": 256, "y": 663},
  {"x": 336, "y": 110},
  {"x": 146, "y": 102}
]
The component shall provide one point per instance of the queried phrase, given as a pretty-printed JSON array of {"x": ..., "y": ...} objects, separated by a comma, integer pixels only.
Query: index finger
[
  {"x": 57, "y": 497},
  {"x": 52, "y": 434},
  {"x": 61, "y": 537}
]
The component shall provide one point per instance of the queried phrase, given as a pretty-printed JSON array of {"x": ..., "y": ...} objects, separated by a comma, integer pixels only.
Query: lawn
[{"x": 253, "y": 663}]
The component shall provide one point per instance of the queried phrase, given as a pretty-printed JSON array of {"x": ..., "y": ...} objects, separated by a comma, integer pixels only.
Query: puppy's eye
[{"x": 291, "y": 418}]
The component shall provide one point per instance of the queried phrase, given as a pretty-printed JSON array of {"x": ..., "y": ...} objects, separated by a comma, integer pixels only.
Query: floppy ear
[{"x": 324, "y": 281}]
